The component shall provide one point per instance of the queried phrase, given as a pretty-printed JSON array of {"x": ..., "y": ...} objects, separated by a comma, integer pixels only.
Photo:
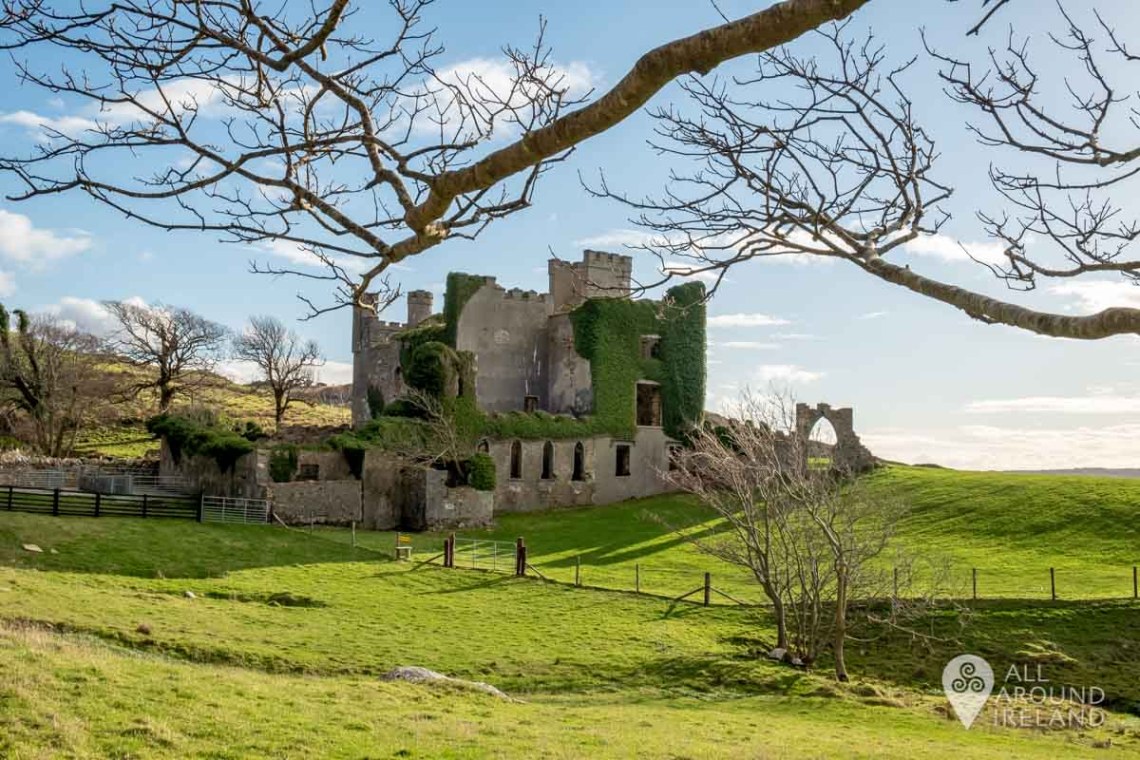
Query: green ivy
[
  {"x": 683, "y": 358},
  {"x": 608, "y": 331},
  {"x": 460, "y": 288},
  {"x": 375, "y": 398},
  {"x": 481, "y": 472},
  {"x": 185, "y": 436},
  {"x": 434, "y": 368},
  {"x": 282, "y": 463},
  {"x": 430, "y": 330}
]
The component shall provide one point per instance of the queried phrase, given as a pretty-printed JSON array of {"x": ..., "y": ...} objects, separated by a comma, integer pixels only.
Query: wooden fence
[{"x": 63, "y": 502}]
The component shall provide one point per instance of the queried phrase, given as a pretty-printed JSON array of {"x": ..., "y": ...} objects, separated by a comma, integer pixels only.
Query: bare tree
[
  {"x": 285, "y": 360},
  {"x": 312, "y": 133},
  {"x": 175, "y": 348},
  {"x": 48, "y": 372},
  {"x": 837, "y": 166},
  {"x": 808, "y": 534}
]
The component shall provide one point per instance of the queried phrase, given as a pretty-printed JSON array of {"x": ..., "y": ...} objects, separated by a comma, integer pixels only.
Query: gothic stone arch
[{"x": 849, "y": 454}]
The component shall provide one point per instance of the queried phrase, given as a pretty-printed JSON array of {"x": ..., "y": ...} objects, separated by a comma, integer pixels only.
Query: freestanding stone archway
[{"x": 849, "y": 454}]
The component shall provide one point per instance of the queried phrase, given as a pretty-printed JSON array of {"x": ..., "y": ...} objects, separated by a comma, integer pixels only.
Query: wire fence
[{"x": 731, "y": 585}]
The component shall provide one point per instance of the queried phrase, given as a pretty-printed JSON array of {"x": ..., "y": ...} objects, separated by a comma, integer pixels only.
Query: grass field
[{"x": 102, "y": 654}]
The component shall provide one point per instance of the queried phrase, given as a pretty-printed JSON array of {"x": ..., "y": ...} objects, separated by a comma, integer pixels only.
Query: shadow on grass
[{"x": 150, "y": 548}]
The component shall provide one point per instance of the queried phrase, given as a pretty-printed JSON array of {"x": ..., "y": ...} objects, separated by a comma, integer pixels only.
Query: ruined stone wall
[
  {"x": 375, "y": 362},
  {"x": 597, "y": 275},
  {"x": 648, "y": 459},
  {"x": 849, "y": 453},
  {"x": 570, "y": 386},
  {"x": 389, "y": 491},
  {"x": 246, "y": 480},
  {"x": 507, "y": 332},
  {"x": 328, "y": 502},
  {"x": 531, "y": 491},
  {"x": 454, "y": 508}
]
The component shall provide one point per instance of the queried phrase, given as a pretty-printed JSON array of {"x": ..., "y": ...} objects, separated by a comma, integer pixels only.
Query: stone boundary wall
[{"x": 326, "y": 502}]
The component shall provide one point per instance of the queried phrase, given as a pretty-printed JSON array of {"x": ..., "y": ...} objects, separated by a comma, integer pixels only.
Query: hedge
[{"x": 185, "y": 436}]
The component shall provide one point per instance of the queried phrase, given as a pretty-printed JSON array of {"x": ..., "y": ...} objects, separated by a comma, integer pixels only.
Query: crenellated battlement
[{"x": 518, "y": 294}]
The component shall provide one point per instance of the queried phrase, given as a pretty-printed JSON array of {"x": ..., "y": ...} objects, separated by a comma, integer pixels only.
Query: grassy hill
[
  {"x": 123, "y": 433},
  {"x": 102, "y": 654}
]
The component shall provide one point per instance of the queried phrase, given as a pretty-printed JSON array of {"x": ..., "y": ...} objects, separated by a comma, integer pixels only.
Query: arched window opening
[
  {"x": 516, "y": 460},
  {"x": 548, "y": 461},
  {"x": 579, "y": 471},
  {"x": 821, "y": 444},
  {"x": 484, "y": 447}
]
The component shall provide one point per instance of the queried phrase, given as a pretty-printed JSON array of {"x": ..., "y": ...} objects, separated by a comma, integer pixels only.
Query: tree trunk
[
  {"x": 781, "y": 616},
  {"x": 165, "y": 397},
  {"x": 279, "y": 404},
  {"x": 840, "y": 632}
]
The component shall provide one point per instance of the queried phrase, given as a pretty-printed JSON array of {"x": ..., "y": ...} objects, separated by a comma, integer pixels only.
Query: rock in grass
[
  {"x": 33, "y": 548},
  {"x": 189, "y": 595},
  {"x": 143, "y": 628},
  {"x": 416, "y": 674}
]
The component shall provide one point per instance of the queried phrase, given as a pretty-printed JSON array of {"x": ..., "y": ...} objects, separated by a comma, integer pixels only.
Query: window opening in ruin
[
  {"x": 650, "y": 347},
  {"x": 621, "y": 466},
  {"x": 649, "y": 404},
  {"x": 484, "y": 447},
  {"x": 530, "y": 404},
  {"x": 548, "y": 461},
  {"x": 516, "y": 460},
  {"x": 674, "y": 456},
  {"x": 309, "y": 472},
  {"x": 579, "y": 472}
]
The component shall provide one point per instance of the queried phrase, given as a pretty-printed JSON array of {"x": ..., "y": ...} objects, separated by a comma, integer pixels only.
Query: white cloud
[
  {"x": 23, "y": 243},
  {"x": 42, "y": 127},
  {"x": 778, "y": 374},
  {"x": 465, "y": 94},
  {"x": 795, "y": 336},
  {"x": 1097, "y": 295},
  {"x": 754, "y": 319},
  {"x": 239, "y": 370},
  {"x": 1093, "y": 404},
  {"x": 7, "y": 284},
  {"x": 947, "y": 248},
  {"x": 87, "y": 314},
  {"x": 620, "y": 238},
  {"x": 986, "y": 447},
  {"x": 335, "y": 373},
  {"x": 750, "y": 345}
]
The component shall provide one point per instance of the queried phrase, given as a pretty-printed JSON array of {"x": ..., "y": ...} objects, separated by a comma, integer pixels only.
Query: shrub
[
  {"x": 283, "y": 463},
  {"x": 187, "y": 436},
  {"x": 375, "y": 399},
  {"x": 481, "y": 472},
  {"x": 434, "y": 370}
]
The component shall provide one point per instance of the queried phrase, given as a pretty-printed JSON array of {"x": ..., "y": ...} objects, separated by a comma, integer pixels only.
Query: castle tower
[
  {"x": 419, "y": 306},
  {"x": 597, "y": 275}
]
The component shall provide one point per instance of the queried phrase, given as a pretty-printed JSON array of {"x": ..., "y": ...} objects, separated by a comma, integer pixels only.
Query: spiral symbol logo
[{"x": 967, "y": 681}]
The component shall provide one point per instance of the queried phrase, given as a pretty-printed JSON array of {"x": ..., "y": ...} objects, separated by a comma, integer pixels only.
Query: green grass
[{"x": 102, "y": 654}]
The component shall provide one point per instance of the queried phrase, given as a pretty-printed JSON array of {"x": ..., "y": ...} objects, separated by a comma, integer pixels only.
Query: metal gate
[{"x": 225, "y": 509}]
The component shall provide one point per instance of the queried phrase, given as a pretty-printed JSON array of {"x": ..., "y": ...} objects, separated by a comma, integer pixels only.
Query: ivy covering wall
[
  {"x": 683, "y": 357},
  {"x": 460, "y": 288}
]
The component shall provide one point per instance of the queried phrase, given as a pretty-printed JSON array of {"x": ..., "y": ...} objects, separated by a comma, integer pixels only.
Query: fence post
[
  {"x": 974, "y": 573},
  {"x": 10, "y": 489},
  {"x": 55, "y": 502},
  {"x": 708, "y": 588},
  {"x": 520, "y": 557},
  {"x": 578, "y": 570},
  {"x": 1135, "y": 585},
  {"x": 201, "y": 505},
  {"x": 144, "y": 505},
  {"x": 1053, "y": 583},
  {"x": 98, "y": 503},
  {"x": 896, "y": 585},
  {"x": 637, "y": 578},
  {"x": 354, "y": 534}
]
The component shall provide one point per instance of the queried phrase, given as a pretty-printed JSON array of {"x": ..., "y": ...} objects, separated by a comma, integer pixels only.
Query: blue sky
[{"x": 927, "y": 383}]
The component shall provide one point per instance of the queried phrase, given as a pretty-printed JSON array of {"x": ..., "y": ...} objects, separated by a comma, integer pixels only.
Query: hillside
[
  {"x": 123, "y": 433},
  {"x": 279, "y": 650}
]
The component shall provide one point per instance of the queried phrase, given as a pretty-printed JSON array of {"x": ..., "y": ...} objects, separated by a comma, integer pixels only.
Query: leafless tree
[
  {"x": 837, "y": 166},
  {"x": 48, "y": 372},
  {"x": 808, "y": 535},
  {"x": 331, "y": 141},
  {"x": 174, "y": 348},
  {"x": 286, "y": 361}
]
